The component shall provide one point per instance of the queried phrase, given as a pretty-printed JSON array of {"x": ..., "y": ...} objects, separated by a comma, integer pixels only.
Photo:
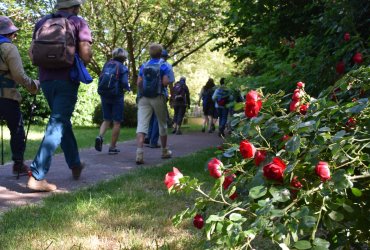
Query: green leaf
[
  {"x": 293, "y": 144},
  {"x": 308, "y": 221},
  {"x": 341, "y": 180},
  {"x": 302, "y": 244},
  {"x": 336, "y": 216},
  {"x": 257, "y": 192},
  {"x": 306, "y": 124},
  {"x": 236, "y": 217},
  {"x": 348, "y": 208},
  {"x": 214, "y": 218},
  {"x": 356, "y": 192},
  {"x": 277, "y": 213},
  {"x": 324, "y": 129},
  {"x": 321, "y": 243},
  {"x": 339, "y": 135},
  {"x": 358, "y": 108}
]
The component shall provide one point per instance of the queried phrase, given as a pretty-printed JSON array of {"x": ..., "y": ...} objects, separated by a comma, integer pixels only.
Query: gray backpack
[{"x": 54, "y": 44}]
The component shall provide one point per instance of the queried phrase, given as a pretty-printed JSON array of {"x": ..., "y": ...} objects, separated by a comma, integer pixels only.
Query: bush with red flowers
[{"x": 309, "y": 190}]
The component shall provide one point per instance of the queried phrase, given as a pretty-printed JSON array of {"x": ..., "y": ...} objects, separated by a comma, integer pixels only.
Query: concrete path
[{"x": 99, "y": 166}]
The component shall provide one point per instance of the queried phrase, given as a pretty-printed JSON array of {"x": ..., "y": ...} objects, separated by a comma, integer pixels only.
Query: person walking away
[
  {"x": 113, "y": 81},
  {"x": 12, "y": 74},
  {"x": 58, "y": 88},
  {"x": 181, "y": 101},
  {"x": 208, "y": 105},
  {"x": 152, "y": 80},
  {"x": 222, "y": 97}
]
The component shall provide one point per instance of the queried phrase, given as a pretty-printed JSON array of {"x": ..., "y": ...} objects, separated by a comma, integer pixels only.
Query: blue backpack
[
  {"x": 152, "y": 84},
  {"x": 109, "y": 80}
]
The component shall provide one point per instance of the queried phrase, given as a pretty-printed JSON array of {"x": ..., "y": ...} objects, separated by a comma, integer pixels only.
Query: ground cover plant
[
  {"x": 296, "y": 171},
  {"x": 125, "y": 213}
]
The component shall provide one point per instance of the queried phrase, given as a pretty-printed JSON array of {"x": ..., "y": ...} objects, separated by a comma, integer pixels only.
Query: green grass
[{"x": 132, "y": 211}]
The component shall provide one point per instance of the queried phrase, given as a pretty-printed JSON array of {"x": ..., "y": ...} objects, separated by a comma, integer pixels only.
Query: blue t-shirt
[{"x": 165, "y": 70}]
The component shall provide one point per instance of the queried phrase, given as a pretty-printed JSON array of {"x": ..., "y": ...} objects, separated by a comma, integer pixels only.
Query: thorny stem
[
  {"x": 356, "y": 177},
  {"x": 318, "y": 219},
  {"x": 297, "y": 200},
  {"x": 260, "y": 134},
  {"x": 211, "y": 199}
]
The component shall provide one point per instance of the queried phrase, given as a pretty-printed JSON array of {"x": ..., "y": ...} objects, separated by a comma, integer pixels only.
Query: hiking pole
[{"x": 32, "y": 108}]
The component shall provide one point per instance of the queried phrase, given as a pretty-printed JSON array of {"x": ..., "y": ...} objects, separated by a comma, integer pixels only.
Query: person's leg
[
  {"x": 155, "y": 133},
  {"x": 61, "y": 97},
  {"x": 159, "y": 107},
  {"x": 150, "y": 130},
  {"x": 181, "y": 114},
  {"x": 144, "y": 114},
  {"x": 11, "y": 113},
  {"x": 223, "y": 112},
  {"x": 175, "y": 118},
  {"x": 117, "y": 115},
  {"x": 115, "y": 134}
]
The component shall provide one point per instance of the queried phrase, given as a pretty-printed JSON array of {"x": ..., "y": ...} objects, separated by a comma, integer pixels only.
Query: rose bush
[{"x": 308, "y": 190}]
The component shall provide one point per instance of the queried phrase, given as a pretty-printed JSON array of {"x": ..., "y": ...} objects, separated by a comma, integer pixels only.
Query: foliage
[
  {"x": 304, "y": 207},
  {"x": 281, "y": 42}
]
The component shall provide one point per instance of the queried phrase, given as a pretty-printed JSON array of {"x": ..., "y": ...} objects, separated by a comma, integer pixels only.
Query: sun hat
[
  {"x": 7, "y": 26},
  {"x": 63, "y": 4},
  {"x": 119, "y": 53}
]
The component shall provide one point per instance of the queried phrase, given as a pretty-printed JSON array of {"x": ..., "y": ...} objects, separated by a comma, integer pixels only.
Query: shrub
[{"x": 307, "y": 182}]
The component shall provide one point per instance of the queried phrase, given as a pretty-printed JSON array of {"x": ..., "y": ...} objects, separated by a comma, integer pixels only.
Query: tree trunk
[{"x": 132, "y": 65}]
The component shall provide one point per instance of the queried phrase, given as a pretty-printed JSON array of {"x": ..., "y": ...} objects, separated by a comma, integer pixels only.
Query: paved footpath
[{"x": 99, "y": 166}]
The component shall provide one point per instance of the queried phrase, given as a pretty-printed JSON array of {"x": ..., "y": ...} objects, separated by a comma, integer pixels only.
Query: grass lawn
[{"x": 132, "y": 211}]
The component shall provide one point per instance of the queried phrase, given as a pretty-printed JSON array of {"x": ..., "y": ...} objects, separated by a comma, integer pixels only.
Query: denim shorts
[{"x": 112, "y": 109}]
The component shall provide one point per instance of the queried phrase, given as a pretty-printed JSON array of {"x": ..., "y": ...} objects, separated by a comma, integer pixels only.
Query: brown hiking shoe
[
  {"x": 139, "y": 157},
  {"x": 21, "y": 169},
  {"x": 40, "y": 186},
  {"x": 166, "y": 153},
  {"x": 76, "y": 171}
]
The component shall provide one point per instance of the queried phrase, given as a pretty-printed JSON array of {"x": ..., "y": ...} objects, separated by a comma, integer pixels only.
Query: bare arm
[{"x": 85, "y": 52}]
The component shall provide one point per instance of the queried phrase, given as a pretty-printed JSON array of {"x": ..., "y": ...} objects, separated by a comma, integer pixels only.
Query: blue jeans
[
  {"x": 61, "y": 97},
  {"x": 179, "y": 114},
  {"x": 153, "y": 132},
  {"x": 222, "y": 116},
  {"x": 11, "y": 113}
]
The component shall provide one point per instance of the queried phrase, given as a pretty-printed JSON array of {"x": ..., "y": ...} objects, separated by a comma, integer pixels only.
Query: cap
[
  {"x": 164, "y": 53},
  {"x": 62, "y": 4},
  {"x": 7, "y": 26}
]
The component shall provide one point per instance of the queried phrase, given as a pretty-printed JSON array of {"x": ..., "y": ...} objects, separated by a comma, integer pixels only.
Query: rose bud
[
  {"x": 347, "y": 37},
  {"x": 247, "y": 149},
  {"x": 303, "y": 108},
  {"x": 259, "y": 157},
  {"x": 357, "y": 58},
  {"x": 300, "y": 85},
  {"x": 274, "y": 170},
  {"x": 233, "y": 196},
  {"x": 296, "y": 95},
  {"x": 253, "y": 104},
  {"x": 285, "y": 137},
  {"x": 173, "y": 178},
  {"x": 252, "y": 96},
  {"x": 340, "y": 67},
  {"x": 228, "y": 180},
  {"x": 214, "y": 168},
  {"x": 295, "y": 185},
  {"x": 351, "y": 123},
  {"x": 198, "y": 221},
  {"x": 323, "y": 171}
]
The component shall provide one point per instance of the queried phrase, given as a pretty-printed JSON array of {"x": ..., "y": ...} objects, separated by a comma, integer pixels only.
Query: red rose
[
  {"x": 296, "y": 95},
  {"x": 228, "y": 180},
  {"x": 303, "y": 108},
  {"x": 323, "y": 171},
  {"x": 296, "y": 183},
  {"x": 247, "y": 149},
  {"x": 253, "y": 104},
  {"x": 285, "y": 137},
  {"x": 300, "y": 85},
  {"x": 214, "y": 168},
  {"x": 340, "y": 67},
  {"x": 351, "y": 123},
  {"x": 347, "y": 37},
  {"x": 233, "y": 196},
  {"x": 198, "y": 221},
  {"x": 357, "y": 58},
  {"x": 294, "y": 105},
  {"x": 173, "y": 178},
  {"x": 259, "y": 157},
  {"x": 274, "y": 170}
]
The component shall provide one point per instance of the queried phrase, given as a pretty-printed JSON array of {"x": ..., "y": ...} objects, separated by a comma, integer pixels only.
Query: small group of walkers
[
  {"x": 60, "y": 90},
  {"x": 216, "y": 103}
]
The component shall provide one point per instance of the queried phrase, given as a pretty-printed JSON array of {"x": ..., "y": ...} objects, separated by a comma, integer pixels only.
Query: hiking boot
[
  {"x": 40, "y": 186},
  {"x": 166, "y": 153},
  {"x": 21, "y": 169},
  {"x": 139, "y": 157},
  {"x": 154, "y": 146},
  {"x": 99, "y": 143},
  {"x": 179, "y": 132},
  {"x": 113, "y": 151},
  {"x": 203, "y": 130},
  {"x": 76, "y": 171}
]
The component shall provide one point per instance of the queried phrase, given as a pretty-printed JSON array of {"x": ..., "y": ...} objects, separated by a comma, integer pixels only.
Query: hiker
[
  {"x": 208, "y": 105},
  {"x": 153, "y": 133},
  {"x": 11, "y": 74},
  {"x": 152, "y": 81},
  {"x": 113, "y": 82},
  {"x": 59, "y": 90},
  {"x": 222, "y": 97},
  {"x": 181, "y": 101}
]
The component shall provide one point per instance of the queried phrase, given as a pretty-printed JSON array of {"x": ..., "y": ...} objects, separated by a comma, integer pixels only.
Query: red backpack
[{"x": 54, "y": 44}]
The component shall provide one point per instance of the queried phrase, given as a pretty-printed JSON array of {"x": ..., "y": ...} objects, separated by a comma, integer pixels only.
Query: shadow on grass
[{"x": 132, "y": 211}]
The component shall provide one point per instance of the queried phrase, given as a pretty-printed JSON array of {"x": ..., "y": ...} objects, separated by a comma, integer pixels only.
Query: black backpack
[
  {"x": 152, "y": 83},
  {"x": 109, "y": 80}
]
